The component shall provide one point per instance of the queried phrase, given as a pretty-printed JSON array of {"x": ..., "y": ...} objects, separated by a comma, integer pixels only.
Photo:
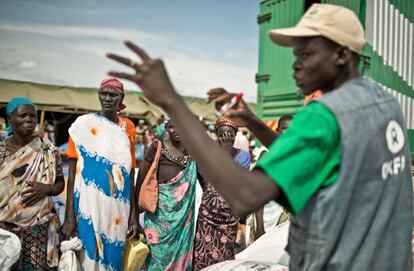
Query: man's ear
[{"x": 343, "y": 56}]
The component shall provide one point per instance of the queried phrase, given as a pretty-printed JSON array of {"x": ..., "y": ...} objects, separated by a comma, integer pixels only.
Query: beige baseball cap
[{"x": 336, "y": 23}]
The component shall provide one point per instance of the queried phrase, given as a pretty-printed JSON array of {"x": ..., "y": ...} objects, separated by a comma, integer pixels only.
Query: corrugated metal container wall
[
  {"x": 355, "y": 5},
  {"x": 406, "y": 7},
  {"x": 277, "y": 93},
  {"x": 389, "y": 54},
  {"x": 391, "y": 35},
  {"x": 387, "y": 58}
]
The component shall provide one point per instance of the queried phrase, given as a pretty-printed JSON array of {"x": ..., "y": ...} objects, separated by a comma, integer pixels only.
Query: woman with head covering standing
[
  {"x": 100, "y": 195},
  {"x": 216, "y": 225},
  {"x": 30, "y": 173},
  {"x": 170, "y": 229}
]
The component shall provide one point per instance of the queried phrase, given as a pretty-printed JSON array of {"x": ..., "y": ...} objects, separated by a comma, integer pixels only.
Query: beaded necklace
[{"x": 181, "y": 161}]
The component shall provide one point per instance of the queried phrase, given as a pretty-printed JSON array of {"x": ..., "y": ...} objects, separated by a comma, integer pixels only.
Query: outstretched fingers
[
  {"x": 140, "y": 52},
  {"x": 123, "y": 60},
  {"x": 130, "y": 77},
  {"x": 214, "y": 93}
]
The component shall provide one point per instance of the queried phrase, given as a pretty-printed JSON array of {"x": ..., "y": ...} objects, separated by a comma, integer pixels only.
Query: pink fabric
[
  {"x": 180, "y": 191},
  {"x": 152, "y": 236}
]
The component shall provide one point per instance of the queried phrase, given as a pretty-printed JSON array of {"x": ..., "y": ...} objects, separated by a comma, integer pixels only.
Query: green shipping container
[{"x": 388, "y": 56}]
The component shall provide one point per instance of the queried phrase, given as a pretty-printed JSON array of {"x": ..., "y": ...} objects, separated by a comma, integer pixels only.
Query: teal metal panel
[
  {"x": 391, "y": 36},
  {"x": 387, "y": 58},
  {"x": 358, "y": 6},
  {"x": 274, "y": 76},
  {"x": 351, "y": 4},
  {"x": 389, "y": 54},
  {"x": 406, "y": 7},
  {"x": 276, "y": 105}
]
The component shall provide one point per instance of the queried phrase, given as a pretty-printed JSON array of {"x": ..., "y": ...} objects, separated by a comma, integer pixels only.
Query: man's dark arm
[
  {"x": 261, "y": 131},
  {"x": 245, "y": 191},
  {"x": 254, "y": 189}
]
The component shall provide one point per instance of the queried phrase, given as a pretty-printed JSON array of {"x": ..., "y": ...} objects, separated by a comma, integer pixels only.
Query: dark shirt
[{"x": 167, "y": 169}]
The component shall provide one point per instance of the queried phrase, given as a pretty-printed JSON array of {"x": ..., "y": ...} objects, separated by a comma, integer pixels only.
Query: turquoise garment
[
  {"x": 161, "y": 132},
  {"x": 139, "y": 152},
  {"x": 170, "y": 230}
]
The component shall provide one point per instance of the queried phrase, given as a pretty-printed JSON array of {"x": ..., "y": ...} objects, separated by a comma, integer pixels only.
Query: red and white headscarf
[{"x": 114, "y": 84}]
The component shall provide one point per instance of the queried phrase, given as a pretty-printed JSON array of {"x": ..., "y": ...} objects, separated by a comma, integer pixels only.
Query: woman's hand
[
  {"x": 240, "y": 112},
  {"x": 35, "y": 192},
  {"x": 134, "y": 228},
  {"x": 69, "y": 227},
  {"x": 226, "y": 140},
  {"x": 150, "y": 75}
]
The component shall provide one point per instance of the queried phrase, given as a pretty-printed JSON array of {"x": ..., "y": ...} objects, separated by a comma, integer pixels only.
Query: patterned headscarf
[
  {"x": 15, "y": 103},
  {"x": 114, "y": 84},
  {"x": 223, "y": 120}
]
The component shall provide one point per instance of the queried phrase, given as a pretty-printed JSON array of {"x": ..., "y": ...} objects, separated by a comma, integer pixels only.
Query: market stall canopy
[{"x": 82, "y": 100}]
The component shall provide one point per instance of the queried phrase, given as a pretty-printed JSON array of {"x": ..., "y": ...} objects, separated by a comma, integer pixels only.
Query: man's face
[
  {"x": 110, "y": 99},
  {"x": 315, "y": 65}
]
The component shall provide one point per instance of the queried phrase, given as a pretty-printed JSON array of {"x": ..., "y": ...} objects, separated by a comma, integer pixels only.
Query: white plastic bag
[
  {"x": 10, "y": 247},
  {"x": 246, "y": 265},
  {"x": 68, "y": 260},
  {"x": 270, "y": 247}
]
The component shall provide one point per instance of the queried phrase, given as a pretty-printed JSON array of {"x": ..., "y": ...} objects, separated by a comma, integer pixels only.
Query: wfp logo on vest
[{"x": 395, "y": 141}]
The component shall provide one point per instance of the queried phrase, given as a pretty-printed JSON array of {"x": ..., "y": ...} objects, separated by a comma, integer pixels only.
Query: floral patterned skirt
[
  {"x": 216, "y": 230},
  {"x": 170, "y": 230},
  {"x": 213, "y": 243}
]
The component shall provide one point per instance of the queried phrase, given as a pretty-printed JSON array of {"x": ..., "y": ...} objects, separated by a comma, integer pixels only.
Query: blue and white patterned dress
[{"x": 101, "y": 190}]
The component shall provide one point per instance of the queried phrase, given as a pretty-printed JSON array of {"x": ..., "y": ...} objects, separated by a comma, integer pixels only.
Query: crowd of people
[
  {"x": 102, "y": 154},
  {"x": 340, "y": 169}
]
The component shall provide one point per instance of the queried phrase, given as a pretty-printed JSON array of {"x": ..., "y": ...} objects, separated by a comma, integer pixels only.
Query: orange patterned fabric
[
  {"x": 71, "y": 150},
  {"x": 225, "y": 121},
  {"x": 271, "y": 123},
  {"x": 130, "y": 131},
  {"x": 312, "y": 96}
]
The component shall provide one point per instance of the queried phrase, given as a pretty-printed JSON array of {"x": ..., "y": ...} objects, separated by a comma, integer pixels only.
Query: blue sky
[{"x": 204, "y": 44}]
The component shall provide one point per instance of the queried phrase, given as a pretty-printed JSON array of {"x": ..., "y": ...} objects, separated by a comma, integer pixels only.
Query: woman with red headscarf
[{"x": 100, "y": 196}]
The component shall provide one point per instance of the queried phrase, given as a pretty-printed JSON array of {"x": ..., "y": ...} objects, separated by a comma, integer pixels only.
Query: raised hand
[
  {"x": 226, "y": 137},
  {"x": 150, "y": 75},
  {"x": 226, "y": 140},
  {"x": 240, "y": 112},
  {"x": 220, "y": 97}
]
